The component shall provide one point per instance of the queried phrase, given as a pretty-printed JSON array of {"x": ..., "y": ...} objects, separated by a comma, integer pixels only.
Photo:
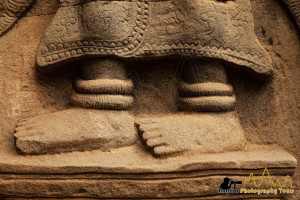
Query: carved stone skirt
[{"x": 133, "y": 29}]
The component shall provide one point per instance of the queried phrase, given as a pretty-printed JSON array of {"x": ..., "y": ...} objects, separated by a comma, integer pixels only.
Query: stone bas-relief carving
[
  {"x": 102, "y": 38},
  {"x": 294, "y": 7},
  {"x": 86, "y": 129},
  {"x": 145, "y": 30},
  {"x": 130, "y": 173},
  {"x": 213, "y": 33},
  {"x": 11, "y": 11}
]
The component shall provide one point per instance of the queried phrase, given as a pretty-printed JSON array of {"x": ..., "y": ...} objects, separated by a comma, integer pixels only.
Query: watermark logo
[
  {"x": 263, "y": 184},
  {"x": 277, "y": 187},
  {"x": 226, "y": 186}
]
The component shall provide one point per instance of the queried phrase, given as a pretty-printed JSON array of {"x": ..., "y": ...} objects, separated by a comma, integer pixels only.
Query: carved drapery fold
[
  {"x": 11, "y": 11},
  {"x": 9, "y": 15},
  {"x": 294, "y": 7}
]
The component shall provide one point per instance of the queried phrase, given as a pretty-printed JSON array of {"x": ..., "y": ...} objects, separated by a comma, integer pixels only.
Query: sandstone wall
[{"x": 269, "y": 110}]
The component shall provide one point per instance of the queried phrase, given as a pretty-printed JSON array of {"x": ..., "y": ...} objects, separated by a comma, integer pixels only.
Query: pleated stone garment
[{"x": 147, "y": 29}]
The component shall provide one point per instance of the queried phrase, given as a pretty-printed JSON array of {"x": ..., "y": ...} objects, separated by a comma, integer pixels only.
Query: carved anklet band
[
  {"x": 104, "y": 86},
  {"x": 102, "y": 101},
  {"x": 208, "y": 103},
  {"x": 204, "y": 89}
]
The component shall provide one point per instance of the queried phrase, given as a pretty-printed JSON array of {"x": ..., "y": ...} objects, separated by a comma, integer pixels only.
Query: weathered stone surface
[
  {"x": 185, "y": 188},
  {"x": 80, "y": 129},
  {"x": 216, "y": 29},
  {"x": 268, "y": 110},
  {"x": 132, "y": 173},
  {"x": 11, "y": 11},
  {"x": 185, "y": 132},
  {"x": 41, "y": 7},
  {"x": 294, "y": 7},
  {"x": 75, "y": 130},
  {"x": 134, "y": 159}
]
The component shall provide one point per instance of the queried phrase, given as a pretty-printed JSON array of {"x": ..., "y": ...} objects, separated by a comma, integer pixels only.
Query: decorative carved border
[
  {"x": 52, "y": 53},
  {"x": 258, "y": 64}
]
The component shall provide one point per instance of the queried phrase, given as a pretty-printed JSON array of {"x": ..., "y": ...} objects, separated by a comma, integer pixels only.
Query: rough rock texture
[
  {"x": 11, "y": 11},
  {"x": 75, "y": 130},
  {"x": 294, "y": 7},
  {"x": 269, "y": 111},
  {"x": 133, "y": 173}
]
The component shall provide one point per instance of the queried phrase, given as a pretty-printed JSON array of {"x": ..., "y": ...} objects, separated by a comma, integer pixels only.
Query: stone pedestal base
[{"x": 133, "y": 173}]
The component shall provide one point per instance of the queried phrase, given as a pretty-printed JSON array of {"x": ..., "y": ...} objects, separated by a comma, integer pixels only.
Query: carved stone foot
[
  {"x": 75, "y": 129},
  {"x": 190, "y": 133}
]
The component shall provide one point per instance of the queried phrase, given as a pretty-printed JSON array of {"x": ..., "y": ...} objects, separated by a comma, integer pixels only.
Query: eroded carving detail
[
  {"x": 161, "y": 25},
  {"x": 150, "y": 29},
  {"x": 75, "y": 130},
  {"x": 103, "y": 35},
  {"x": 18, "y": 8},
  {"x": 11, "y": 11},
  {"x": 294, "y": 7},
  {"x": 129, "y": 156}
]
